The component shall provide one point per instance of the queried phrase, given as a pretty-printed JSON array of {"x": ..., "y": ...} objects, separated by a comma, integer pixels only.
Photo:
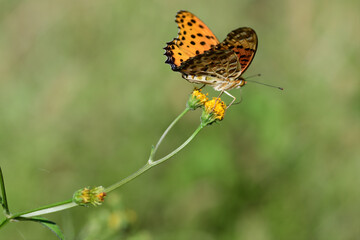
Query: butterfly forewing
[{"x": 194, "y": 37}]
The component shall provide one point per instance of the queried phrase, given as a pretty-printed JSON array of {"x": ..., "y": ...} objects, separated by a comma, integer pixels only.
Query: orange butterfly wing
[{"x": 194, "y": 37}]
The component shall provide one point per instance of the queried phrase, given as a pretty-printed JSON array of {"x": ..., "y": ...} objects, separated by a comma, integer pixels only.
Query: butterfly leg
[
  {"x": 237, "y": 102},
  {"x": 202, "y": 86},
  {"x": 234, "y": 98},
  {"x": 240, "y": 99},
  {"x": 217, "y": 99}
]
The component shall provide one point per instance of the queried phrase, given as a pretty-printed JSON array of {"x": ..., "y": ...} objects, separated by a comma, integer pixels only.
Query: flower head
[
  {"x": 86, "y": 196},
  {"x": 196, "y": 99},
  {"x": 214, "y": 110}
]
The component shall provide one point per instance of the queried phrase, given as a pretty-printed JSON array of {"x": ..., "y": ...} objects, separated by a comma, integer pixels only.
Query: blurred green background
[{"x": 85, "y": 92}]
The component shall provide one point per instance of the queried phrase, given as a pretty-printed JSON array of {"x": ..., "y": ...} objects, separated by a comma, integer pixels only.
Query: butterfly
[{"x": 199, "y": 56}]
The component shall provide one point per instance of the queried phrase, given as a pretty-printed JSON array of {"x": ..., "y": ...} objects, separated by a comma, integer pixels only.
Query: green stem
[
  {"x": 152, "y": 154},
  {"x": 4, "y": 202},
  {"x": 3, "y": 222},
  {"x": 151, "y": 163},
  {"x": 69, "y": 203},
  {"x": 166, "y": 132},
  {"x": 55, "y": 207},
  {"x": 154, "y": 163},
  {"x": 129, "y": 178}
]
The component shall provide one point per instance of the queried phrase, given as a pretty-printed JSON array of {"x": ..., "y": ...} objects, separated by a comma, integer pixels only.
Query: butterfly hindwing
[
  {"x": 243, "y": 41},
  {"x": 222, "y": 64}
]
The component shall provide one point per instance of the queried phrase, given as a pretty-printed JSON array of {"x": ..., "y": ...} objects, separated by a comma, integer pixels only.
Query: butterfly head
[{"x": 240, "y": 82}]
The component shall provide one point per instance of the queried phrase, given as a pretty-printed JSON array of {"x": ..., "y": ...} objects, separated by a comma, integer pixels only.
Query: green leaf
[{"x": 47, "y": 223}]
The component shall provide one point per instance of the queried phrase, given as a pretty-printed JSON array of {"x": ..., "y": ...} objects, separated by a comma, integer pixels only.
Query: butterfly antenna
[
  {"x": 268, "y": 85},
  {"x": 256, "y": 75}
]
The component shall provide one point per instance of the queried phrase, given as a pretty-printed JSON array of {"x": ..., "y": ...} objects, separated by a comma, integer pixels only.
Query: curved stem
[
  {"x": 166, "y": 132},
  {"x": 152, "y": 154},
  {"x": 151, "y": 164},
  {"x": 180, "y": 147},
  {"x": 69, "y": 203}
]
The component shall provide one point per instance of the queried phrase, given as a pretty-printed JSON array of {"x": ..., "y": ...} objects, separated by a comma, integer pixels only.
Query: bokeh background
[{"x": 85, "y": 92}]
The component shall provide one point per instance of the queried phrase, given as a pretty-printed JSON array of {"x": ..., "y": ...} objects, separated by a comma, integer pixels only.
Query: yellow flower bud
[{"x": 87, "y": 196}]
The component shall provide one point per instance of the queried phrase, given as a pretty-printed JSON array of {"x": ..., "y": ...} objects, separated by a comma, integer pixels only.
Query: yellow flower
[
  {"x": 214, "y": 110},
  {"x": 196, "y": 99}
]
